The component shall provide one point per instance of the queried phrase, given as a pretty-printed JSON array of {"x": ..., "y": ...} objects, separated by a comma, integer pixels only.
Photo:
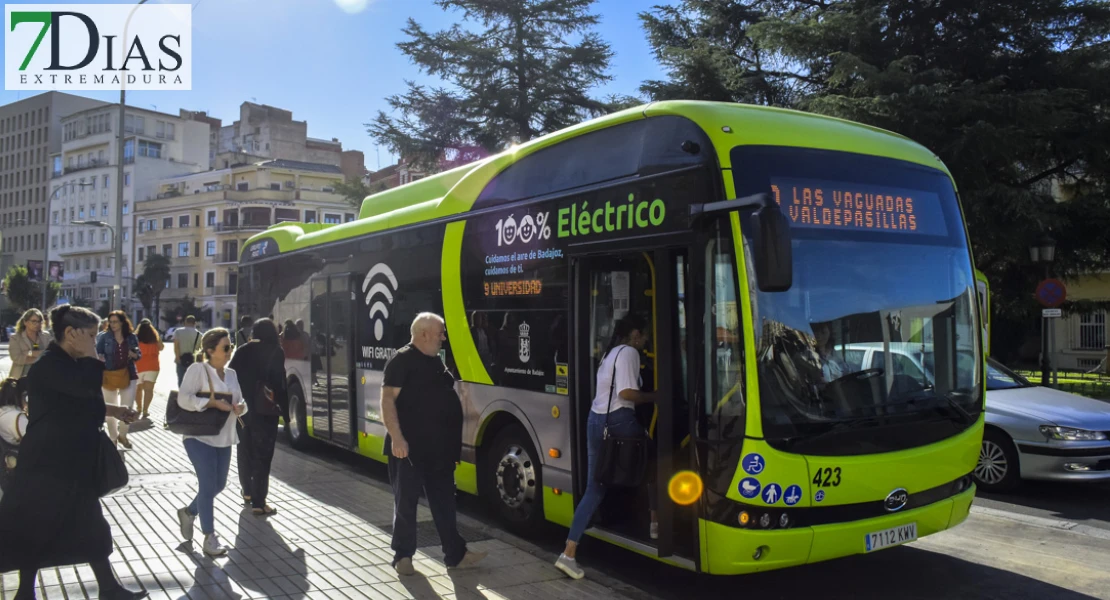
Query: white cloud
[{"x": 352, "y": 6}]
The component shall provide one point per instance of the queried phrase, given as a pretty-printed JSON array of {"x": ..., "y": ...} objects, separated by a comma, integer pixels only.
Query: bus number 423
[{"x": 827, "y": 477}]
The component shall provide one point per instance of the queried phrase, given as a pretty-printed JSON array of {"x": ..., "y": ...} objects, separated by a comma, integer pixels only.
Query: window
[
  {"x": 196, "y": 248},
  {"x": 182, "y": 280},
  {"x": 210, "y": 248},
  {"x": 54, "y": 218},
  {"x": 126, "y": 234},
  {"x": 142, "y": 252},
  {"x": 348, "y": 217},
  {"x": 183, "y": 221},
  {"x": 331, "y": 218},
  {"x": 167, "y": 250},
  {"x": 209, "y": 280},
  {"x": 164, "y": 130},
  {"x": 88, "y": 265},
  {"x": 242, "y": 186},
  {"x": 93, "y": 182},
  {"x": 126, "y": 208},
  {"x": 103, "y": 293},
  {"x": 196, "y": 280},
  {"x": 129, "y": 151},
  {"x": 211, "y": 218},
  {"x": 150, "y": 149},
  {"x": 57, "y": 166},
  {"x": 53, "y": 241},
  {"x": 183, "y": 249},
  {"x": 106, "y": 180},
  {"x": 104, "y": 209},
  {"x": 309, "y": 216},
  {"x": 81, "y": 212},
  {"x": 134, "y": 124},
  {"x": 1092, "y": 331},
  {"x": 104, "y": 236},
  {"x": 71, "y": 238},
  {"x": 81, "y": 238},
  {"x": 97, "y": 262},
  {"x": 275, "y": 186},
  {"x": 126, "y": 180}
]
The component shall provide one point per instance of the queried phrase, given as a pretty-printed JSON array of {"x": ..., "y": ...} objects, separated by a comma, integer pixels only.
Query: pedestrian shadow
[
  {"x": 208, "y": 578},
  {"x": 464, "y": 585},
  {"x": 262, "y": 546}
]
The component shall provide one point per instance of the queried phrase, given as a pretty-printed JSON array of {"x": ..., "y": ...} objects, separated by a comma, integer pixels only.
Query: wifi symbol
[{"x": 379, "y": 309}]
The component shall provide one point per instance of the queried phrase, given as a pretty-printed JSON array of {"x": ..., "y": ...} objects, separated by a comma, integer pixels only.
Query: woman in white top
[
  {"x": 13, "y": 412},
  {"x": 618, "y": 392},
  {"x": 211, "y": 454}
]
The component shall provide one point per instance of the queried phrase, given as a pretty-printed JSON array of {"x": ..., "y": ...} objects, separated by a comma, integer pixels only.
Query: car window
[
  {"x": 902, "y": 364},
  {"x": 854, "y": 360},
  {"x": 1000, "y": 378}
]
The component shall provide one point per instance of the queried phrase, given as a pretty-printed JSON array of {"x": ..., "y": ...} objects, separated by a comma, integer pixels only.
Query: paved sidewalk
[{"x": 329, "y": 539}]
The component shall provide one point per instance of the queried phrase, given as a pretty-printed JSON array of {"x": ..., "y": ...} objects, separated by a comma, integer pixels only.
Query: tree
[
  {"x": 179, "y": 308},
  {"x": 527, "y": 72},
  {"x": 150, "y": 284},
  {"x": 24, "y": 293},
  {"x": 1010, "y": 95},
  {"x": 354, "y": 190}
]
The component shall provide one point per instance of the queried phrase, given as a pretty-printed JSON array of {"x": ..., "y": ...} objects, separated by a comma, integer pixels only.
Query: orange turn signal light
[
  {"x": 554, "y": 453},
  {"x": 744, "y": 518},
  {"x": 685, "y": 488},
  {"x": 557, "y": 491}
]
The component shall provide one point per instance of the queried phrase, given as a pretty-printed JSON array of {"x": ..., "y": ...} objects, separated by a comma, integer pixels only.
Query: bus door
[
  {"x": 651, "y": 284},
  {"x": 332, "y": 360}
]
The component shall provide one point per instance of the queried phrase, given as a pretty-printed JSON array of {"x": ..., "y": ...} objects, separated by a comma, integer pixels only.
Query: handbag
[
  {"x": 189, "y": 358},
  {"x": 119, "y": 379},
  {"x": 623, "y": 461},
  {"x": 264, "y": 401},
  {"x": 209, "y": 421},
  {"x": 111, "y": 472}
]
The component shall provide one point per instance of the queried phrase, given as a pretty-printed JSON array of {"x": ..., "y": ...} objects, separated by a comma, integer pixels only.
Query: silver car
[{"x": 1035, "y": 432}]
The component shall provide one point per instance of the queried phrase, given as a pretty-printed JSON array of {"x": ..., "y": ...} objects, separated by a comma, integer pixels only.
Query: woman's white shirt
[
  {"x": 193, "y": 395},
  {"x": 627, "y": 378},
  {"x": 13, "y": 424}
]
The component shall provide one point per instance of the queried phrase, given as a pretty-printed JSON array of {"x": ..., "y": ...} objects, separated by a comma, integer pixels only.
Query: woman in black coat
[
  {"x": 259, "y": 362},
  {"x": 52, "y": 516}
]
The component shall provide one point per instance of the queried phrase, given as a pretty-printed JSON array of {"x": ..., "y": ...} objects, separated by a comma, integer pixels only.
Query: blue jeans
[
  {"x": 211, "y": 465},
  {"x": 622, "y": 422}
]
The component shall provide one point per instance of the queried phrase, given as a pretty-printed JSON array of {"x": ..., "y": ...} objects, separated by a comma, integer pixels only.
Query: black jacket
[{"x": 257, "y": 361}]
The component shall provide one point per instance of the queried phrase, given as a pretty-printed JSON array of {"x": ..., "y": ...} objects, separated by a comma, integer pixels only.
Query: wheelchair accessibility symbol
[{"x": 753, "y": 464}]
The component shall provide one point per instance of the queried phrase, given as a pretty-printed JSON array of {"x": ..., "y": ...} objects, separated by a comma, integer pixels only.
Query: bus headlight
[{"x": 1070, "y": 434}]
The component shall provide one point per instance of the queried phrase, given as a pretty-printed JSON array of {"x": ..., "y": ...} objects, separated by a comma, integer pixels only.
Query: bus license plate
[{"x": 891, "y": 537}]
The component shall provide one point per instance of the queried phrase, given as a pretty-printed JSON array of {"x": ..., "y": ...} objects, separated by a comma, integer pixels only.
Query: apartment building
[
  {"x": 30, "y": 134},
  {"x": 156, "y": 146},
  {"x": 202, "y": 220}
]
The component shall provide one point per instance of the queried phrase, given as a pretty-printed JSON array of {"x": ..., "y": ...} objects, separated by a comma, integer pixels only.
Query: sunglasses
[
  {"x": 34, "y": 321},
  {"x": 225, "y": 347}
]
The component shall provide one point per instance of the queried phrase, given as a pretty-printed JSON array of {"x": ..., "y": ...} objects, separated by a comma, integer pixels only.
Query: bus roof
[{"x": 726, "y": 124}]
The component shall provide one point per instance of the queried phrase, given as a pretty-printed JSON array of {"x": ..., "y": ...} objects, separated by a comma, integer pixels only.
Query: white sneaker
[
  {"x": 570, "y": 567},
  {"x": 654, "y": 531},
  {"x": 186, "y": 520},
  {"x": 213, "y": 547}
]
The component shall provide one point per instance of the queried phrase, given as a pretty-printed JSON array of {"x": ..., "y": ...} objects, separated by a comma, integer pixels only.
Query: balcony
[
  {"x": 221, "y": 258},
  {"x": 237, "y": 227},
  {"x": 92, "y": 164},
  {"x": 221, "y": 290}
]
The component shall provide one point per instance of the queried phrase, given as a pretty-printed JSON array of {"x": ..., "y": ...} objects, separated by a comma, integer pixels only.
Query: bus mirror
[{"x": 774, "y": 262}]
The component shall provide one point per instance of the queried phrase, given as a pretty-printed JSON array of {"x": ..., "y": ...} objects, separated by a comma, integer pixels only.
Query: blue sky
[{"x": 334, "y": 68}]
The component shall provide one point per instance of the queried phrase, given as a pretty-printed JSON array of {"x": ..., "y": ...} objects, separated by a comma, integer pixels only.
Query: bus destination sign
[{"x": 814, "y": 203}]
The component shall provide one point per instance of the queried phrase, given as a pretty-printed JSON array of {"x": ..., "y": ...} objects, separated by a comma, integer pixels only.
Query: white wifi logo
[{"x": 379, "y": 295}]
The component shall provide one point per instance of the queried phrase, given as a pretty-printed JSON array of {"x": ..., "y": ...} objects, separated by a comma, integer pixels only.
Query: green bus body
[{"x": 535, "y": 232}]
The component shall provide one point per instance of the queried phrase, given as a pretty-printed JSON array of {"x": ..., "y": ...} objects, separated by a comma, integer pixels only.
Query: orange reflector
[
  {"x": 554, "y": 453},
  {"x": 557, "y": 491},
  {"x": 744, "y": 518},
  {"x": 685, "y": 488}
]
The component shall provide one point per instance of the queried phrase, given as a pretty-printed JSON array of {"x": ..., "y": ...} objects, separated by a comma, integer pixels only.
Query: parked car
[{"x": 1035, "y": 432}]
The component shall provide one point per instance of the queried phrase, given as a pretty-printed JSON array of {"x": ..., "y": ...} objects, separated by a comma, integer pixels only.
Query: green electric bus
[{"x": 763, "y": 245}]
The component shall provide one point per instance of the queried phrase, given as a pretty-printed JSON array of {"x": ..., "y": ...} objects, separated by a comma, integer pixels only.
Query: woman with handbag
[
  {"x": 612, "y": 415},
  {"x": 52, "y": 514},
  {"x": 29, "y": 342},
  {"x": 118, "y": 347},
  {"x": 209, "y": 385},
  {"x": 260, "y": 367}
]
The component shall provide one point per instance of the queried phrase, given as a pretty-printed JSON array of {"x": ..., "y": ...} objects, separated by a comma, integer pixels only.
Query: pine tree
[
  {"x": 525, "y": 73},
  {"x": 1010, "y": 94}
]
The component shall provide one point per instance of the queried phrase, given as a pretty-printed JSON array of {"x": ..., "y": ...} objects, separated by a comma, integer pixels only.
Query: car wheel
[
  {"x": 511, "y": 479},
  {"x": 296, "y": 429},
  {"x": 998, "y": 469}
]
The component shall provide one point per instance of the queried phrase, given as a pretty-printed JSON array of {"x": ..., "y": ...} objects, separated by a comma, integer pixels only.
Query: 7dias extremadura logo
[{"x": 98, "y": 47}]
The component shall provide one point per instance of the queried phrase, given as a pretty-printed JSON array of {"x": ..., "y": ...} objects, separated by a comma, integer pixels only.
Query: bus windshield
[{"x": 875, "y": 346}]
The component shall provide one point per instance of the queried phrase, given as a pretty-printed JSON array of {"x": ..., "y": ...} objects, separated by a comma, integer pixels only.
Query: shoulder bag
[
  {"x": 111, "y": 472},
  {"x": 189, "y": 357},
  {"x": 187, "y": 422},
  {"x": 623, "y": 461}
]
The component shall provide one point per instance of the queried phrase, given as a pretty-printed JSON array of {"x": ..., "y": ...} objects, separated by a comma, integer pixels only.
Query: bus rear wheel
[
  {"x": 512, "y": 481},
  {"x": 296, "y": 429}
]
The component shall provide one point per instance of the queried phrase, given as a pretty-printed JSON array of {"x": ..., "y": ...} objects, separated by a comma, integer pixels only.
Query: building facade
[
  {"x": 202, "y": 220},
  {"x": 156, "y": 145},
  {"x": 30, "y": 134}
]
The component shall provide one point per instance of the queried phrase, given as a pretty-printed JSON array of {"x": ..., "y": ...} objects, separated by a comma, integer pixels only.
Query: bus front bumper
[{"x": 734, "y": 551}]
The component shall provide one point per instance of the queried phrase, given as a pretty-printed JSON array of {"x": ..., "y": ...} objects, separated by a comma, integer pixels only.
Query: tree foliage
[
  {"x": 526, "y": 71},
  {"x": 24, "y": 293},
  {"x": 150, "y": 284},
  {"x": 353, "y": 190},
  {"x": 1009, "y": 94}
]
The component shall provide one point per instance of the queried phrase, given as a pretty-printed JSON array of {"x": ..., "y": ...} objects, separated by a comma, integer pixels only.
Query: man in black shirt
[{"x": 423, "y": 416}]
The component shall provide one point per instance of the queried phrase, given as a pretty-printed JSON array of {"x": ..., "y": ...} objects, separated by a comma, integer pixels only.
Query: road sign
[
  {"x": 1051, "y": 293},
  {"x": 1052, "y": 313}
]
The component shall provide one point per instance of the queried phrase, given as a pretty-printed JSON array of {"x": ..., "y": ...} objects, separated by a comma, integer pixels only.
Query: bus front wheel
[
  {"x": 511, "y": 479},
  {"x": 296, "y": 429}
]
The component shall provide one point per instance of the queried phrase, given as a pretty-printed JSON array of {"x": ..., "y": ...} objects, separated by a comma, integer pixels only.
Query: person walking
[
  {"x": 30, "y": 340},
  {"x": 148, "y": 366},
  {"x": 292, "y": 342},
  {"x": 423, "y": 417},
  {"x": 613, "y": 407},
  {"x": 51, "y": 515},
  {"x": 210, "y": 384},
  {"x": 186, "y": 342},
  {"x": 119, "y": 349},
  {"x": 260, "y": 368}
]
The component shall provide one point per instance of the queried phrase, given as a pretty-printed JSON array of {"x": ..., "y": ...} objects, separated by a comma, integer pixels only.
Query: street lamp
[
  {"x": 1044, "y": 252},
  {"x": 120, "y": 175},
  {"x": 46, "y": 246}
]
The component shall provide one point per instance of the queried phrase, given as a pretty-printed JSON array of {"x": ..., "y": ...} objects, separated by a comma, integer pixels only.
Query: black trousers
[
  {"x": 255, "y": 453},
  {"x": 437, "y": 481}
]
